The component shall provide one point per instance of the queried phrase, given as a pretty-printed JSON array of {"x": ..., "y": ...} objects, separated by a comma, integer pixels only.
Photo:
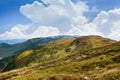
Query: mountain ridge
[
  {"x": 55, "y": 49},
  {"x": 13, "y": 41},
  {"x": 14, "y": 48},
  {"x": 91, "y": 57}
]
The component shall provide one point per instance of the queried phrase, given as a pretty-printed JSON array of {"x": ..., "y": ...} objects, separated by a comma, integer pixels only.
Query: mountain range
[
  {"x": 12, "y": 49},
  {"x": 61, "y": 58},
  {"x": 13, "y": 41}
]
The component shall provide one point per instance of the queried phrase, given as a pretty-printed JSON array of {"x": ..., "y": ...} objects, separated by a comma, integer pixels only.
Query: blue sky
[
  {"x": 102, "y": 5},
  {"x": 10, "y": 14}
]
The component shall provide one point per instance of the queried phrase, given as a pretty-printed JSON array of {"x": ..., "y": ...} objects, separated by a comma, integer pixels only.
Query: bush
[
  {"x": 53, "y": 77},
  {"x": 67, "y": 49},
  {"x": 116, "y": 59}
]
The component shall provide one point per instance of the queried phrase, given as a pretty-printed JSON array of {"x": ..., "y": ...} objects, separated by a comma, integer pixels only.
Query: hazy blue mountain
[{"x": 13, "y": 41}]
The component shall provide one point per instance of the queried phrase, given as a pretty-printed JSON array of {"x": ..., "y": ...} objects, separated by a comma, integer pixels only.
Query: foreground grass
[{"x": 101, "y": 67}]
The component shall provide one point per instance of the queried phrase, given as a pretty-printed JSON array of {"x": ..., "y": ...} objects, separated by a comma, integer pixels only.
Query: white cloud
[
  {"x": 79, "y": 20},
  {"x": 21, "y": 31},
  {"x": 67, "y": 18},
  {"x": 86, "y": 29},
  {"x": 115, "y": 33},
  {"x": 54, "y": 1},
  {"x": 44, "y": 31},
  {"x": 106, "y": 24},
  {"x": 59, "y": 13},
  {"x": 17, "y": 32}
]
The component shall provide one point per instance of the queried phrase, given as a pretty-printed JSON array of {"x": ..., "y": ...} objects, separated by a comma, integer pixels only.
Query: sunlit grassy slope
[
  {"x": 10, "y": 50},
  {"x": 84, "y": 58}
]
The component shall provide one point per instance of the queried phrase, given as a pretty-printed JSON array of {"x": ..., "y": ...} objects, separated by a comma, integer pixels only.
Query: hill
[
  {"x": 7, "y": 50},
  {"x": 84, "y": 58}
]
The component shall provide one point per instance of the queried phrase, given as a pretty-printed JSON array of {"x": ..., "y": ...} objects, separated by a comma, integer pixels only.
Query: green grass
[
  {"x": 59, "y": 60},
  {"x": 102, "y": 66},
  {"x": 75, "y": 70}
]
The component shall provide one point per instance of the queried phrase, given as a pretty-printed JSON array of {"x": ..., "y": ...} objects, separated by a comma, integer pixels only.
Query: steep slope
[
  {"x": 55, "y": 50},
  {"x": 11, "y": 50},
  {"x": 101, "y": 63}
]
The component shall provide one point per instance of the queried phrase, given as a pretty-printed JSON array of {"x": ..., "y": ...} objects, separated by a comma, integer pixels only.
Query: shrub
[
  {"x": 67, "y": 49},
  {"x": 54, "y": 77}
]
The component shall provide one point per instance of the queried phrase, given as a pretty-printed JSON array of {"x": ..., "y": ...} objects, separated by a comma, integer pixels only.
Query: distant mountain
[
  {"x": 12, "y": 49},
  {"x": 13, "y": 41},
  {"x": 4, "y": 45}
]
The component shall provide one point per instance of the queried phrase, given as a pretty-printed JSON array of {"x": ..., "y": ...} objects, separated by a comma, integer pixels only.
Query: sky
[{"x": 42, "y": 18}]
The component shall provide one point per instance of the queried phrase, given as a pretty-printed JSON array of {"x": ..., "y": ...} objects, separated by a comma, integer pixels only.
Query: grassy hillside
[
  {"x": 84, "y": 58},
  {"x": 54, "y": 50},
  {"x": 42, "y": 53},
  {"x": 90, "y": 42},
  {"x": 7, "y": 50}
]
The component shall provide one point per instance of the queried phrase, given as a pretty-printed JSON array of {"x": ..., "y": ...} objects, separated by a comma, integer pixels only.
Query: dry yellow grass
[{"x": 24, "y": 54}]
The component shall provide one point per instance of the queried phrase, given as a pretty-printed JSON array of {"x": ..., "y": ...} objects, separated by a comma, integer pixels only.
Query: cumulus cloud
[
  {"x": 86, "y": 29},
  {"x": 59, "y": 13},
  {"x": 17, "y": 32},
  {"x": 44, "y": 31},
  {"x": 67, "y": 17},
  {"x": 21, "y": 31},
  {"x": 107, "y": 24}
]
